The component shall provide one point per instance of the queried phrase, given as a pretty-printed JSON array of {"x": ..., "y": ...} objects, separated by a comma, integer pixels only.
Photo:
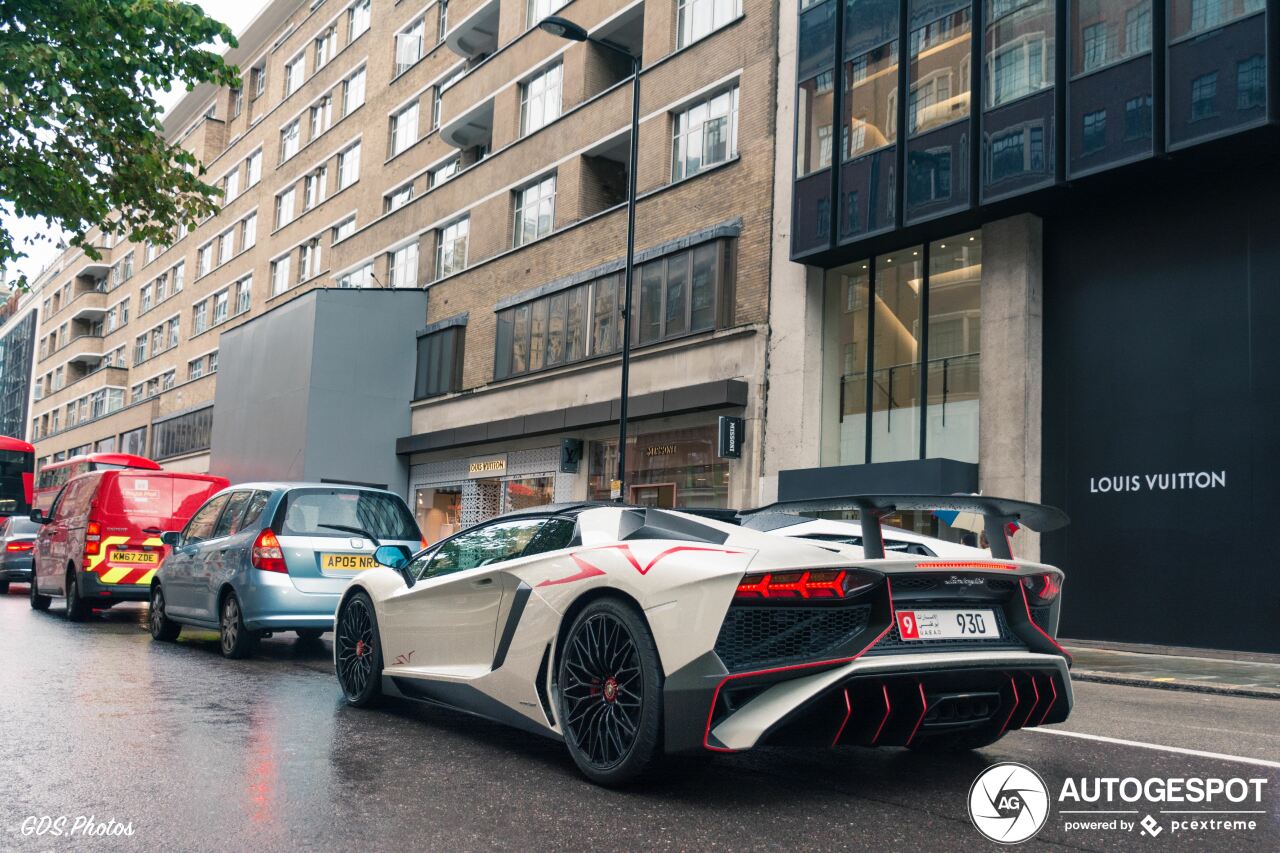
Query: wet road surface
[{"x": 200, "y": 753}]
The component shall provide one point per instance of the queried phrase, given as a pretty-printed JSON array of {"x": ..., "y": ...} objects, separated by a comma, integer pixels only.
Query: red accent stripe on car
[
  {"x": 586, "y": 571},
  {"x": 1027, "y": 718},
  {"x": 1014, "y": 709},
  {"x": 1053, "y": 702},
  {"x": 848, "y": 712},
  {"x": 888, "y": 709},
  {"x": 1027, "y": 605},
  {"x": 924, "y": 709}
]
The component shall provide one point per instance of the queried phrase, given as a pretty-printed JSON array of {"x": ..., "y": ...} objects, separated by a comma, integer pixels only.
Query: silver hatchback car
[{"x": 261, "y": 558}]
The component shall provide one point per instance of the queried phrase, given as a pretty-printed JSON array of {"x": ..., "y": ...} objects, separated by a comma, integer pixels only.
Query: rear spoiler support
[{"x": 997, "y": 514}]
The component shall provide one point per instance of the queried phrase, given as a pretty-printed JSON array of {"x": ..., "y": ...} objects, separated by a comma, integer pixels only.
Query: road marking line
[{"x": 1178, "y": 749}]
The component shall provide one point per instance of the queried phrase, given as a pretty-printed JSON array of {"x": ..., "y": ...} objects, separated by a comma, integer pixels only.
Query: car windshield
[{"x": 384, "y": 515}]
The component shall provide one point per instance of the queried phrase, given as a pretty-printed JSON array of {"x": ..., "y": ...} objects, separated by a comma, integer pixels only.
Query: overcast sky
[{"x": 236, "y": 14}]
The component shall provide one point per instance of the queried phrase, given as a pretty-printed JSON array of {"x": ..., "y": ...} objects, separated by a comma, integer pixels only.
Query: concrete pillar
[
  {"x": 792, "y": 423},
  {"x": 1011, "y": 365}
]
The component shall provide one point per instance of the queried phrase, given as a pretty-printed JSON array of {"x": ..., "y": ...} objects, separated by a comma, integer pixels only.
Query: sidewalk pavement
[{"x": 1201, "y": 670}]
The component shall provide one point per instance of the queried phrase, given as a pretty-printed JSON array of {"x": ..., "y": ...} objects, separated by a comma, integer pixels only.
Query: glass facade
[
  {"x": 904, "y": 364},
  {"x": 1217, "y": 68},
  {"x": 938, "y": 103},
  {"x": 869, "y": 133},
  {"x": 673, "y": 468},
  {"x": 1019, "y": 68},
  {"x": 1110, "y": 94}
]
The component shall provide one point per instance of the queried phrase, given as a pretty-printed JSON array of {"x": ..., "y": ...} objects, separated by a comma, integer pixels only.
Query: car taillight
[
  {"x": 804, "y": 584},
  {"x": 267, "y": 554},
  {"x": 92, "y": 539},
  {"x": 20, "y": 546},
  {"x": 1042, "y": 589}
]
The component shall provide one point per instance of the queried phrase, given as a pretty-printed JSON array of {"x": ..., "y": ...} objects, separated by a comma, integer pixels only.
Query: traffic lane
[
  {"x": 202, "y": 753},
  {"x": 1233, "y": 725}
]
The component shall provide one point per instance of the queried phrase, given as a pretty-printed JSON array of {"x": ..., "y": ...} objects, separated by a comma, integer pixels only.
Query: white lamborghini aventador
[{"x": 630, "y": 633}]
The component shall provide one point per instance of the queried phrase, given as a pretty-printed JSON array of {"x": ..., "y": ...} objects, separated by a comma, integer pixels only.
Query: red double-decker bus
[
  {"x": 17, "y": 476},
  {"x": 54, "y": 475}
]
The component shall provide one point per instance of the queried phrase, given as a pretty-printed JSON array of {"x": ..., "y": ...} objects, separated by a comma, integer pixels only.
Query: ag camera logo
[{"x": 1009, "y": 802}]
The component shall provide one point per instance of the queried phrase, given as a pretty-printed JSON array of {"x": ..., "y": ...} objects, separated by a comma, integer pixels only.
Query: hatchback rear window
[{"x": 383, "y": 515}]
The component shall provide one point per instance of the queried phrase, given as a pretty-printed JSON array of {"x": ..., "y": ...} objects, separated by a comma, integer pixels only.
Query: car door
[
  {"x": 43, "y": 560},
  {"x": 219, "y": 557},
  {"x": 448, "y": 619},
  {"x": 180, "y": 568}
]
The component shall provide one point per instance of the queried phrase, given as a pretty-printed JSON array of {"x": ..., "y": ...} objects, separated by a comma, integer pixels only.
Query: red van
[{"x": 100, "y": 541}]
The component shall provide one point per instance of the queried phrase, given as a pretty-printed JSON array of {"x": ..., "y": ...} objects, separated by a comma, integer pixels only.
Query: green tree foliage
[{"x": 81, "y": 139}]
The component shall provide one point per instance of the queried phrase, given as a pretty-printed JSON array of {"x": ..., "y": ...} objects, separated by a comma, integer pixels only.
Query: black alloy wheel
[
  {"x": 77, "y": 608},
  {"x": 38, "y": 601},
  {"x": 357, "y": 653},
  {"x": 236, "y": 640},
  {"x": 610, "y": 693}
]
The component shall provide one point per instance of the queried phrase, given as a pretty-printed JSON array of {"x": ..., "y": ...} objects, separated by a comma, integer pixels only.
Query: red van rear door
[{"x": 135, "y": 501}]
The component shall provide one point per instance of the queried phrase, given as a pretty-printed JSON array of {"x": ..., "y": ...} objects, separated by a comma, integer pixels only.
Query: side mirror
[
  {"x": 39, "y": 517},
  {"x": 396, "y": 557},
  {"x": 172, "y": 538}
]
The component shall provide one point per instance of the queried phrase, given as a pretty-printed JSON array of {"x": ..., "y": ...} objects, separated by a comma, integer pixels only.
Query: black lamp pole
[{"x": 566, "y": 29}]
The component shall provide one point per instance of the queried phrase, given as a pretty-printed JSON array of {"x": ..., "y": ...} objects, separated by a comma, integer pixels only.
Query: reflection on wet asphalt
[{"x": 201, "y": 753}]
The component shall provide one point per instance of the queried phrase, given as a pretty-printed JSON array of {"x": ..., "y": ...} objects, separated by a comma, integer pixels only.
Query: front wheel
[
  {"x": 163, "y": 628},
  {"x": 77, "y": 608},
  {"x": 610, "y": 693},
  {"x": 357, "y": 652},
  {"x": 237, "y": 641},
  {"x": 38, "y": 601}
]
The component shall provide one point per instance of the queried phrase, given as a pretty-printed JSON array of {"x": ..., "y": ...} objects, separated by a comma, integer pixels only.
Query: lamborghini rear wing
[{"x": 997, "y": 513}]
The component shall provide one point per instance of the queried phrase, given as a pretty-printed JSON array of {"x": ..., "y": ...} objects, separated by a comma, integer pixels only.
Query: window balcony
[
  {"x": 477, "y": 34},
  {"x": 89, "y": 305},
  {"x": 471, "y": 128}
]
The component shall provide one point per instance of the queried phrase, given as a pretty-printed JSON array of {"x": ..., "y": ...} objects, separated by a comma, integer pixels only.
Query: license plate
[
  {"x": 347, "y": 562},
  {"x": 134, "y": 558},
  {"x": 947, "y": 624}
]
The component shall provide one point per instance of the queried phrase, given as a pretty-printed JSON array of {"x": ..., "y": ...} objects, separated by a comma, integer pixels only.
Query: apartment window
[
  {"x": 398, "y": 198},
  {"x": 1137, "y": 29},
  {"x": 293, "y": 71},
  {"x": 204, "y": 259},
  {"x": 344, "y": 229},
  {"x": 213, "y": 362},
  {"x": 1094, "y": 42},
  {"x": 309, "y": 259},
  {"x": 443, "y": 172},
  {"x": 535, "y": 210},
  {"x": 536, "y": 10},
  {"x": 199, "y": 317},
  {"x": 177, "y": 436},
  {"x": 255, "y": 168},
  {"x": 220, "y": 303},
  {"x": 352, "y": 92},
  {"x": 153, "y": 386},
  {"x": 145, "y": 299},
  {"x": 402, "y": 266},
  {"x": 680, "y": 293},
  {"x": 248, "y": 231},
  {"x": 540, "y": 99},
  {"x": 697, "y": 18},
  {"x": 313, "y": 187},
  {"x": 168, "y": 379},
  {"x": 357, "y": 19},
  {"x": 1094, "y": 133},
  {"x": 226, "y": 246},
  {"x": 135, "y": 394},
  {"x": 451, "y": 247},
  {"x": 179, "y": 273},
  {"x": 258, "y": 78},
  {"x": 1251, "y": 83},
  {"x": 325, "y": 47},
  {"x": 357, "y": 278},
  {"x": 349, "y": 166},
  {"x": 128, "y": 269},
  {"x": 231, "y": 184},
  {"x": 442, "y": 23},
  {"x": 237, "y": 102},
  {"x": 161, "y": 284},
  {"x": 1137, "y": 117},
  {"x": 124, "y": 311},
  {"x": 284, "y": 208},
  {"x": 140, "y": 348},
  {"x": 438, "y": 90},
  {"x": 408, "y": 46},
  {"x": 705, "y": 134},
  {"x": 439, "y": 363},
  {"x": 149, "y": 253},
  {"x": 195, "y": 368},
  {"x": 321, "y": 116},
  {"x": 289, "y": 140},
  {"x": 404, "y": 128},
  {"x": 280, "y": 276},
  {"x": 1204, "y": 91},
  {"x": 244, "y": 294}
]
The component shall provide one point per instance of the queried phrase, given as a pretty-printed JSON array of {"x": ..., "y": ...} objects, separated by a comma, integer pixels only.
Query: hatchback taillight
[
  {"x": 20, "y": 545},
  {"x": 267, "y": 554}
]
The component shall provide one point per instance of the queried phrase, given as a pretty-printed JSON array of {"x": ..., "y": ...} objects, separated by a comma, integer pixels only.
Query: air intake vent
[{"x": 760, "y": 637}]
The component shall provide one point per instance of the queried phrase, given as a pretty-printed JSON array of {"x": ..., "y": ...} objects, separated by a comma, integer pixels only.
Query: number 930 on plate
[{"x": 947, "y": 624}]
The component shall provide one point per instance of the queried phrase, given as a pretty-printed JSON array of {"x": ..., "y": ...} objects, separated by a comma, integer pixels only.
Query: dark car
[{"x": 17, "y": 540}]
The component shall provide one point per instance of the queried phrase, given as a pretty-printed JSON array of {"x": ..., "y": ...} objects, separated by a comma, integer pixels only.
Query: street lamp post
[{"x": 566, "y": 29}]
